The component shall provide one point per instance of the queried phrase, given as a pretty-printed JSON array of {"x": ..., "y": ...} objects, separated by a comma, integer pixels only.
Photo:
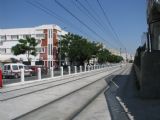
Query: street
[{"x": 55, "y": 92}]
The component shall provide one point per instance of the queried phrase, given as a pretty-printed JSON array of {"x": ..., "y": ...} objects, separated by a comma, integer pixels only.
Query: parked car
[
  {"x": 14, "y": 70},
  {"x": 34, "y": 68},
  {"x": 28, "y": 71}
]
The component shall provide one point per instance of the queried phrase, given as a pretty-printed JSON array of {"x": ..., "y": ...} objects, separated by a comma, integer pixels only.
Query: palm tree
[{"x": 26, "y": 46}]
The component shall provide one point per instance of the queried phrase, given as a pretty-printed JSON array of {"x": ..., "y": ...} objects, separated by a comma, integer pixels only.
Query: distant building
[
  {"x": 115, "y": 52},
  {"x": 47, "y": 36},
  {"x": 126, "y": 56}
]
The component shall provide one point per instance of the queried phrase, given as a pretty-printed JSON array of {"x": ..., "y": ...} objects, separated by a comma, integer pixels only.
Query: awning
[{"x": 8, "y": 59}]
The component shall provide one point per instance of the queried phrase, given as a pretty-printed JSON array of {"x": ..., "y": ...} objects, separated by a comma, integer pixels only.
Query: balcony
[{"x": 40, "y": 36}]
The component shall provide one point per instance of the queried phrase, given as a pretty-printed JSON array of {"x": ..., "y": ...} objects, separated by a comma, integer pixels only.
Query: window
[
  {"x": 20, "y": 67},
  {"x": 14, "y": 67},
  {"x": 8, "y": 50},
  {"x": 7, "y": 67},
  {"x": 38, "y": 50},
  {"x": 40, "y": 36},
  {"x": 49, "y": 49},
  {"x": 24, "y": 36},
  {"x": 43, "y": 50},
  {"x": 51, "y": 33},
  {"x": 3, "y": 37},
  {"x": 1, "y": 42},
  {"x": 14, "y": 37},
  {"x": 39, "y": 41},
  {"x": 4, "y": 50},
  {"x": 26, "y": 67}
]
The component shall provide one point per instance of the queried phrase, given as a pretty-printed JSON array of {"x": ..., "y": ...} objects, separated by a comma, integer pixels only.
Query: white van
[{"x": 14, "y": 70}]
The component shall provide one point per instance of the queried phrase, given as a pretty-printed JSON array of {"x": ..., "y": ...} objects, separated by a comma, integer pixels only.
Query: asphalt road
[
  {"x": 35, "y": 77},
  {"x": 28, "y": 78}
]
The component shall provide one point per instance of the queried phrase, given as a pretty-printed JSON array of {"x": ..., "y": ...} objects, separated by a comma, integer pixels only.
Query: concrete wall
[{"x": 150, "y": 75}]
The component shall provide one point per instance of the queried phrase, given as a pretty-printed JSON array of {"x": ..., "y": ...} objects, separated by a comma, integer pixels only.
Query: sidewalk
[{"x": 133, "y": 106}]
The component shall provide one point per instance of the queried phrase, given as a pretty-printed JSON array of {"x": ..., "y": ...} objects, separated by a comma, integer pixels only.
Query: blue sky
[{"x": 128, "y": 18}]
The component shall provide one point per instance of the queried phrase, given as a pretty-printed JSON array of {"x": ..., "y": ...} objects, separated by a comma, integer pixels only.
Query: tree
[
  {"x": 103, "y": 56},
  {"x": 26, "y": 46},
  {"x": 115, "y": 58},
  {"x": 77, "y": 48}
]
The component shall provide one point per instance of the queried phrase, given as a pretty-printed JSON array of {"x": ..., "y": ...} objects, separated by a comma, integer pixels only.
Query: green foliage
[
  {"x": 115, "y": 58},
  {"x": 103, "y": 56},
  {"x": 76, "y": 48},
  {"x": 25, "y": 46},
  {"x": 79, "y": 49}
]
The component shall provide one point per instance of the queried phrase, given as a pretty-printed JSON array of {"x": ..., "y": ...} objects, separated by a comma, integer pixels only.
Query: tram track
[
  {"x": 64, "y": 98},
  {"x": 78, "y": 114},
  {"x": 37, "y": 89},
  {"x": 47, "y": 82}
]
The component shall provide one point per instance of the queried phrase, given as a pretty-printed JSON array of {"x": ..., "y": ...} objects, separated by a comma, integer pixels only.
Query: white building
[
  {"x": 115, "y": 52},
  {"x": 127, "y": 56},
  {"x": 47, "y": 36}
]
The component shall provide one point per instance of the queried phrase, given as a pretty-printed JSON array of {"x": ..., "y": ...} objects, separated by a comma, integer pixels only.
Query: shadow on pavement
[{"x": 124, "y": 102}]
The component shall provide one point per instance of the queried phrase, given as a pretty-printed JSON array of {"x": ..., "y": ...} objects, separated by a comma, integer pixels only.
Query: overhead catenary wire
[
  {"x": 82, "y": 10},
  {"x": 94, "y": 19},
  {"x": 91, "y": 15},
  {"x": 94, "y": 32},
  {"x": 54, "y": 15},
  {"x": 88, "y": 15},
  {"x": 107, "y": 19},
  {"x": 99, "y": 18},
  {"x": 93, "y": 10},
  {"x": 90, "y": 6},
  {"x": 47, "y": 11}
]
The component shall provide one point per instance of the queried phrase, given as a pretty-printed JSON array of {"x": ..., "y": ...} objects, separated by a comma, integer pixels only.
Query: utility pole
[
  {"x": 126, "y": 55},
  {"x": 120, "y": 51},
  {"x": 131, "y": 57}
]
